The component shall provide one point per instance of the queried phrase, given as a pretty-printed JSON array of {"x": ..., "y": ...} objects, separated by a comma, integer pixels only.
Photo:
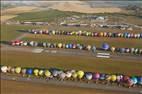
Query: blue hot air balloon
[
  {"x": 140, "y": 80},
  {"x": 122, "y": 50},
  {"x": 105, "y": 46},
  {"x": 134, "y": 79},
  {"x": 29, "y": 71}
]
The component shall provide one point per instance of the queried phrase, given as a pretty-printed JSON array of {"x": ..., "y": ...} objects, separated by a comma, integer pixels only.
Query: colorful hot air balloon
[
  {"x": 113, "y": 78},
  {"x": 17, "y": 70},
  {"x": 140, "y": 80},
  {"x": 80, "y": 74},
  {"x": 88, "y": 76},
  {"x": 112, "y": 49},
  {"x": 41, "y": 72},
  {"x": 102, "y": 76},
  {"x": 96, "y": 76},
  {"x": 94, "y": 49},
  {"x": 29, "y": 71},
  {"x": 23, "y": 71},
  {"x": 74, "y": 75},
  {"x": 62, "y": 75},
  {"x": 89, "y": 47},
  {"x": 59, "y": 45},
  {"x": 135, "y": 80},
  {"x": 105, "y": 46},
  {"x": 68, "y": 74},
  {"x": 4, "y": 69},
  {"x": 47, "y": 73},
  {"x": 36, "y": 71}
]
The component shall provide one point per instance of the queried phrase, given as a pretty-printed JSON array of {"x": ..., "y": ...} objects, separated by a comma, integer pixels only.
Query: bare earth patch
[
  {"x": 17, "y": 10},
  {"x": 7, "y": 17},
  {"x": 78, "y": 7}
]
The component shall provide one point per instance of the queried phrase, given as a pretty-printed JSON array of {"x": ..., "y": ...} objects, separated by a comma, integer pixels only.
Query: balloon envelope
[
  {"x": 105, "y": 46},
  {"x": 80, "y": 74},
  {"x": 29, "y": 71},
  {"x": 18, "y": 70},
  {"x": 36, "y": 72},
  {"x": 47, "y": 73}
]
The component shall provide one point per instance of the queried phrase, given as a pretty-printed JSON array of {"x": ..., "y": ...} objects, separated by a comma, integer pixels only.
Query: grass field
[
  {"x": 48, "y": 15},
  {"x": 12, "y": 87},
  {"x": 86, "y": 40},
  {"x": 71, "y": 62},
  {"x": 9, "y": 32},
  {"x": 55, "y": 15}
]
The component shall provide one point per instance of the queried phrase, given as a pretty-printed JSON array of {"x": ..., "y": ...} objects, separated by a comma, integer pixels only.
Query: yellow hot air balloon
[
  {"x": 36, "y": 72},
  {"x": 47, "y": 73},
  {"x": 113, "y": 78},
  {"x": 108, "y": 78},
  {"x": 74, "y": 75},
  {"x": 80, "y": 74},
  {"x": 59, "y": 45},
  {"x": 101, "y": 34},
  {"x": 89, "y": 47},
  {"x": 41, "y": 72},
  {"x": 112, "y": 49},
  {"x": 17, "y": 70}
]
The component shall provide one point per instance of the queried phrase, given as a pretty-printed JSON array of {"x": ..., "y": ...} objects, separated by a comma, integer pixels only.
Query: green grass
[
  {"x": 48, "y": 15},
  {"x": 55, "y": 15},
  {"x": 117, "y": 42},
  {"x": 9, "y": 32}
]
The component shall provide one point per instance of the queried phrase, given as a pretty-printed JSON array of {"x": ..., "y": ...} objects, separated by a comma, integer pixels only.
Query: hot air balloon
[
  {"x": 59, "y": 45},
  {"x": 80, "y": 74},
  {"x": 17, "y": 70},
  {"x": 96, "y": 76},
  {"x": 23, "y": 71},
  {"x": 112, "y": 49},
  {"x": 113, "y": 78},
  {"x": 36, "y": 71},
  {"x": 130, "y": 83},
  {"x": 13, "y": 70},
  {"x": 41, "y": 72},
  {"x": 88, "y": 76},
  {"x": 62, "y": 76},
  {"x": 105, "y": 46},
  {"x": 4, "y": 69},
  {"x": 94, "y": 48},
  {"x": 135, "y": 80},
  {"x": 140, "y": 80},
  {"x": 89, "y": 47},
  {"x": 29, "y": 71},
  {"x": 47, "y": 73},
  {"x": 102, "y": 76},
  {"x": 74, "y": 75},
  {"x": 122, "y": 50},
  {"x": 68, "y": 74}
]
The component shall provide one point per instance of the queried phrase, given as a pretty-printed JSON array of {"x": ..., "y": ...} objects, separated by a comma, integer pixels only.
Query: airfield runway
[{"x": 72, "y": 84}]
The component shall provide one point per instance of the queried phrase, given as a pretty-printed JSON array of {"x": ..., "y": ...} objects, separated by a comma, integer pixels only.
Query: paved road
[
  {"x": 73, "y": 84},
  {"x": 68, "y": 52}
]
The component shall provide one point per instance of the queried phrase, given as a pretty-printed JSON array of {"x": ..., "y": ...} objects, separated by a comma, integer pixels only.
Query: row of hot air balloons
[
  {"x": 93, "y": 48},
  {"x": 54, "y": 73},
  {"x": 87, "y": 33}
]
